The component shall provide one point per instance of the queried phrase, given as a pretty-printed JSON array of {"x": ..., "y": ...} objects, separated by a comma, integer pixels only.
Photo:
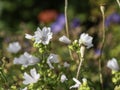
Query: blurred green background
[{"x": 15, "y": 12}]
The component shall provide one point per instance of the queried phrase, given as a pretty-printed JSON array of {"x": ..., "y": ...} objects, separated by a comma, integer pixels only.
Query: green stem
[
  {"x": 71, "y": 55},
  {"x": 101, "y": 49}
]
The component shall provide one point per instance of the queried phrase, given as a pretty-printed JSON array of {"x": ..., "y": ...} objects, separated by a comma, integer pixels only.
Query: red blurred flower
[{"x": 47, "y": 16}]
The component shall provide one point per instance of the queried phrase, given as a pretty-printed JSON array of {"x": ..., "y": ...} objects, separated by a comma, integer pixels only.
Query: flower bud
[
  {"x": 65, "y": 39},
  {"x": 82, "y": 51}
]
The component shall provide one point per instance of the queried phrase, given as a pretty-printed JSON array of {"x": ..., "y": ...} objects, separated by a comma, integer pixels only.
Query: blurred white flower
[
  {"x": 53, "y": 58},
  {"x": 66, "y": 64},
  {"x": 113, "y": 65},
  {"x": 26, "y": 59},
  {"x": 65, "y": 39},
  {"x": 63, "y": 78},
  {"x": 14, "y": 47},
  {"x": 77, "y": 83},
  {"x": 33, "y": 78},
  {"x": 41, "y": 36},
  {"x": 86, "y": 40}
]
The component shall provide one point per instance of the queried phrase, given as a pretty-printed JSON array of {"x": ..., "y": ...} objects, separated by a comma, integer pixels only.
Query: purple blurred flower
[
  {"x": 58, "y": 25},
  {"x": 113, "y": 18},
  {"x": 75, "y": 23},
  {"x": 61, "y": 19},
  {"x": 97, "y": 52}
]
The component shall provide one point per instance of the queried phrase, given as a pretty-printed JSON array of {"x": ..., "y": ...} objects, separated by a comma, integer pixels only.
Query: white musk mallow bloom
[
  {"x": 41, "y": 36},
  {"x": 86, "y": 40},
  {"x": 65, "y": 40},
  {"x": 77, "y": 83},
  {"x": 113, "y": 65},
  {"x": 33, "y": 78},
  {"x": 53, "y": 58},
  {"x": 26, "y": 59},
  {"x": 63, "y": 78},
  {"x": 14, "y": 47}
]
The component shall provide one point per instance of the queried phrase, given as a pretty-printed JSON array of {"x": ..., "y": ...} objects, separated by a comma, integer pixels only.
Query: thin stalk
[
  {"x": 66, "y": 25},
  {"x": 71, "y": 55},
  {"x": 102, "y": 46},
  {"x": 118, "y": 2},
  {"x": 81, "y": 59},
  {"x": 66, "y": 21},
  {"x": 79, "y": 67}
]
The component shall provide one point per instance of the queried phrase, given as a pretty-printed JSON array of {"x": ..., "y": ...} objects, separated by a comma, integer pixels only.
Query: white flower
[
  {"x": 86, "y": 40},
  {"x": 63, "y": 78},
  {"x": 64, "y": 39},
  {"x": 112, "y": 64},
  {"x": 77, "y": 85},
  {"x": 33, "y": 78},
  {"x": 41, "y": 36},
  {"x": 53, "y": 58},
  {"x": 26, "y": 59},
  {"x": 14, "y": 47},
  {"x": 66, "y": 64}
]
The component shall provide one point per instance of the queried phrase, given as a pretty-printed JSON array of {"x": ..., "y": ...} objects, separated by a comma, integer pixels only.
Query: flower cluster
[{"x": 43, "y": 69}]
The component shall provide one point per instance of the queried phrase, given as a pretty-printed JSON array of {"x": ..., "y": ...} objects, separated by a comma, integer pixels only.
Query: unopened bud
[
  {"x": 102, "y": 8},
  {"x": 82, "y": 51}
]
